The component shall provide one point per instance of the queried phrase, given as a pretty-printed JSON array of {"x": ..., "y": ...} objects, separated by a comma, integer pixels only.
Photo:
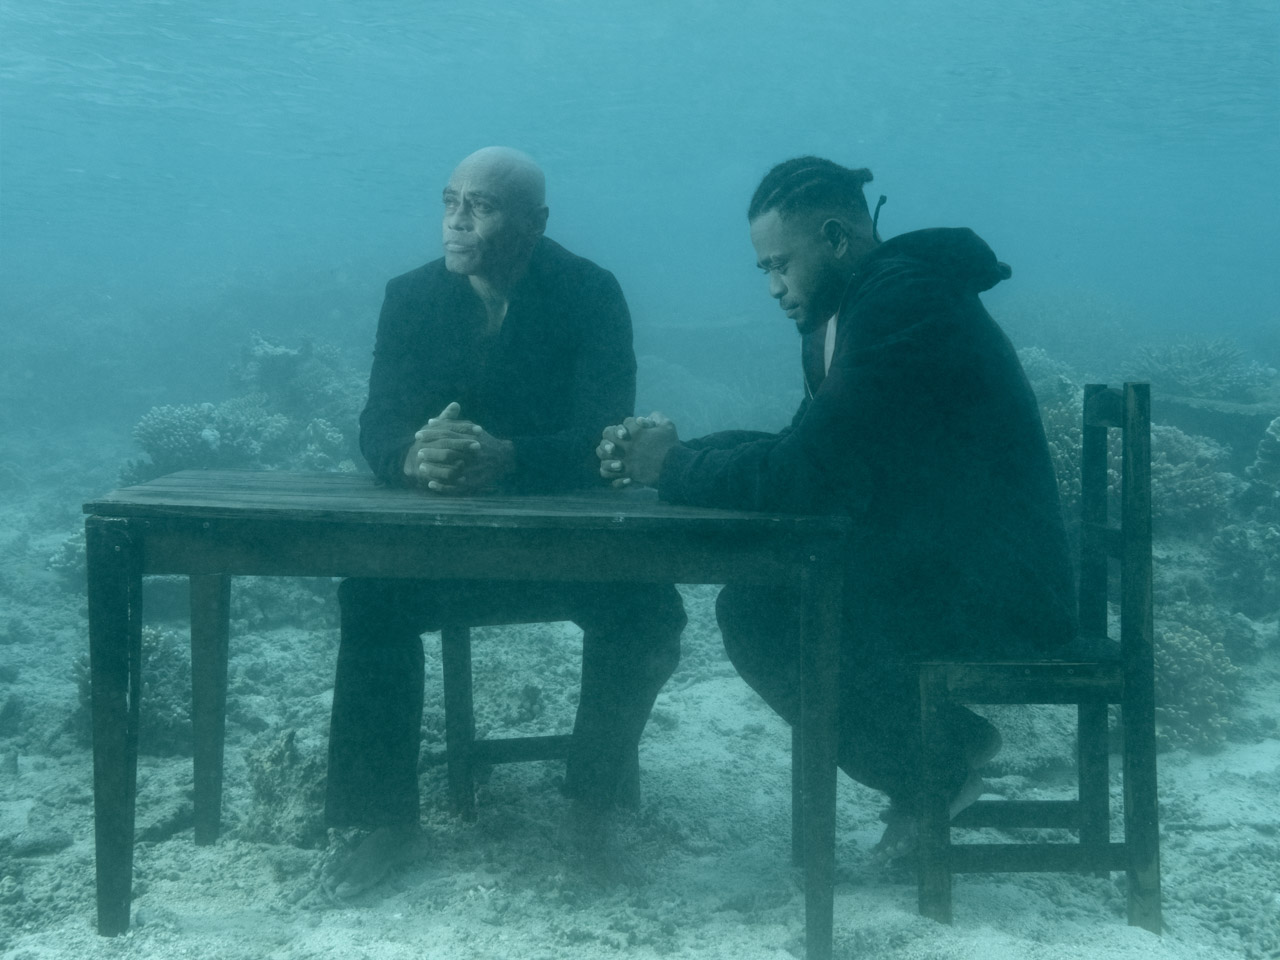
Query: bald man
[{"x": 494, "y": 371}]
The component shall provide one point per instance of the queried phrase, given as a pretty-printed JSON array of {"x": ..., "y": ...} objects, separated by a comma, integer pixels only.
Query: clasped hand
[
  {"x": 453, "y": 455},
  {"x": 633, "y": 451}
]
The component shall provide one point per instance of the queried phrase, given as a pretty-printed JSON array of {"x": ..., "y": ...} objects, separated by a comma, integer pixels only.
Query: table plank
[{"x": 228, "y": 494}]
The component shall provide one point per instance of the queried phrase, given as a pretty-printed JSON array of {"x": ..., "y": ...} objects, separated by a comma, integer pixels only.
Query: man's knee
[
  {"x": 754, "y": 620},
  {"x": 388, "y": 606}
]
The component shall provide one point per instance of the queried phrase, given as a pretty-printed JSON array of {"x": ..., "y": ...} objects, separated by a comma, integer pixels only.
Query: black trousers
[
  {"x": 879, "y": 708},
  {"x": 631, "y": 645}
]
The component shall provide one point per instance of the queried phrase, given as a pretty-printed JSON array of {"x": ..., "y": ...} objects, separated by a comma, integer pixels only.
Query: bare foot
[
  {"x": 381, "y": 851},
  {"x": 902, "y": 830}
]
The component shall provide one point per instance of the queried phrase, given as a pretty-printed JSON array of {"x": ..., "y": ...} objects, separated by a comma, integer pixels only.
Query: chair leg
[
  {"x": 1094, "y": 776},
  {"x": 210, "y": 620},
  {"x": 797, "y": 798},
  {"x": 1142, "y": 821},
  {"x": 459, "y": 718},
  {"x": 935, "y": 820}
]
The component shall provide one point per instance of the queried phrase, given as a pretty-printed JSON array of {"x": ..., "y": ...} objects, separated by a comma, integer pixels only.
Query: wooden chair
[
  {"x": 464, "y": 753},
  {"x": 1105, "y": 672}
]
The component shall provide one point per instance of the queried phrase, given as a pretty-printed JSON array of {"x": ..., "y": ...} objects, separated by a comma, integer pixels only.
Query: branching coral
[
  {"x": 1207, "y": 369},
  {"x": 1196, "y": 687}
]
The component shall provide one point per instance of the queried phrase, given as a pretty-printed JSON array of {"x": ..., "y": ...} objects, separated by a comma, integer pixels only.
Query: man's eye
[
  {"x": 451, "y": 204},
  {"x": 482, "y": 208}
]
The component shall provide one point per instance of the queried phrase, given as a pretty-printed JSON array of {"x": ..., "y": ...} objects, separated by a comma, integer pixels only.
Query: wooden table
[{"x": 212, "y": 525}]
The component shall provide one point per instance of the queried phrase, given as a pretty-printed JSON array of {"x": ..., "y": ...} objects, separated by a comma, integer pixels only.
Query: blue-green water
[
  {"x": 176, "y": 176},
  {"x": 1126, "y": 148}
]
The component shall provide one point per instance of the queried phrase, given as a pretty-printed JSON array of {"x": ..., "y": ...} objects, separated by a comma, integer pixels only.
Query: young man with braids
[{"x": 919, "y": 423}]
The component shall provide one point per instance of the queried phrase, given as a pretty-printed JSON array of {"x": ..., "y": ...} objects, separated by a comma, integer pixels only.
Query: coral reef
[
  {"x": 1266, "y": 466},
  {"x": 68, "y": 562},
  {"x": 1191, "y": 492},
  {"x": 313, "y": 381},
  {"x": 1196, "y": 686},
  {"x": 1062, "y": 429},
  {"x": 236, "y": 433},
  {"x": 1052, "y": 380},
  {"x": 301, "y": 413},
  {"x": 1246, "y": 563},
  {"x": 1207, "y": 369},
  {"x": 164, "y": 727}
]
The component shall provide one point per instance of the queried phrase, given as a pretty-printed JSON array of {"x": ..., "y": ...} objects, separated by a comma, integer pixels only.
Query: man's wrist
[{"x": 506, "y": 459}]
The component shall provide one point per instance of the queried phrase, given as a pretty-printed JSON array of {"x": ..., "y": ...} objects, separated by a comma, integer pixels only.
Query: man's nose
[
  {"x": 459, "y": 218},
  {"x": 776, "y": 287}
]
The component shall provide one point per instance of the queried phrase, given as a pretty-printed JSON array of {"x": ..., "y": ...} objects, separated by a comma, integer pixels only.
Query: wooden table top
[{"x": 344, "y": 497}]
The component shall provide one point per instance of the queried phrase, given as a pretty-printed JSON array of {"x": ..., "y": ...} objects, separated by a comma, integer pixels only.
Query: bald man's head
[{"x": 494, "y": 211}]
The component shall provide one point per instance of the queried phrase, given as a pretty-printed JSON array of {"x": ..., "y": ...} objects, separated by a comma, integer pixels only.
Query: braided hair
[{"x": 808, "y": 184}]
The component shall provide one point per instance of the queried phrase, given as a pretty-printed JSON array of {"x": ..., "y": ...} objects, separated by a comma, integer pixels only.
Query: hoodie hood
[{"x": 954, "y": 255}]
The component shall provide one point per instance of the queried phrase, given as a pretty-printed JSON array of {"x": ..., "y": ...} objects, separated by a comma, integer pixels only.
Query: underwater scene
[{"x": 201, "y": 206}]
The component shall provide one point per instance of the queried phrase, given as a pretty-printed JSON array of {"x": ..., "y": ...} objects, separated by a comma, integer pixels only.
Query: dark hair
[{"x": 807, "y": 184}]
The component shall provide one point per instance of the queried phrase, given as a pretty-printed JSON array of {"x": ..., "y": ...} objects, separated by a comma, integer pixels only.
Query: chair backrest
[{"x": 1129, "y": 411}]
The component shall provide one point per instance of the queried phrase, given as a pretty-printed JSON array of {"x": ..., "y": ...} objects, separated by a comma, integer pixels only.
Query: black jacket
[
  {"x": 560, "y": 370},
  {"x": 926, "y": 432}
]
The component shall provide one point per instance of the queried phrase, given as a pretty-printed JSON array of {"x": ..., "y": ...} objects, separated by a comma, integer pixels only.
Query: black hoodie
[{"x": 926, "y": 432}]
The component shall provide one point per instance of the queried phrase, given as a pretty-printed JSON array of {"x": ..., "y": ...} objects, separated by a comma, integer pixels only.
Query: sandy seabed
[{"x": 708, "y": 870}]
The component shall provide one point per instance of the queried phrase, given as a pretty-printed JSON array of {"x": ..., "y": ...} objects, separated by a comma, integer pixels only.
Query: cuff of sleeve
[{"x": 674, "y": 464}]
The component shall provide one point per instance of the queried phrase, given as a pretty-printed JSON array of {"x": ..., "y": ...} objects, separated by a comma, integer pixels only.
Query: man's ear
[
  {"x": 835, "y": 234},
  {"x": 538, "y": 221}
]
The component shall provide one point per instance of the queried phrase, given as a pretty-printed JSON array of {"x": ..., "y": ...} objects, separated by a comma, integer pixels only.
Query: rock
[{"x": 39, "y": 842}]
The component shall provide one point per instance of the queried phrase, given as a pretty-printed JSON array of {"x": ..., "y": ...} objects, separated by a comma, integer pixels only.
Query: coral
[
  {"x": 1243, "y": 639},
  {"x": 1052, "y": 380},
  {"x": 288, "y": 780},
  {"x": 1190, "y": 494},
  {"x": 301, "y": 413},
  {"x": 68, "y": 562},
  {"x": 1246, "y": 562},
  {"x": 236, "y": 433},
  {"x": 1206, "y": 369},
  {"x": 1262, "y": 499},
  {"x": 1196, "y": 687},
  {"x": 305, "y": 383},
  {"x": 1062, "y": 429},
  {"x": 324, "y": 448},
  {"x": 164, "y": 711}
]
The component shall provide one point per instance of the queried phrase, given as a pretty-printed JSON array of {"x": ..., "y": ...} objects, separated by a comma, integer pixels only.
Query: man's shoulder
[
  {"x": 553, "y": 262},
  {"x": 420, "y": 280}
]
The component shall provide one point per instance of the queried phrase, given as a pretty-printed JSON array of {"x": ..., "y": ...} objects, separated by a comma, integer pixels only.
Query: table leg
[
  {"x": 821, "y": 607},
  {"x": 210, "y": 626},
  {"x": 114, "y": 558}
]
